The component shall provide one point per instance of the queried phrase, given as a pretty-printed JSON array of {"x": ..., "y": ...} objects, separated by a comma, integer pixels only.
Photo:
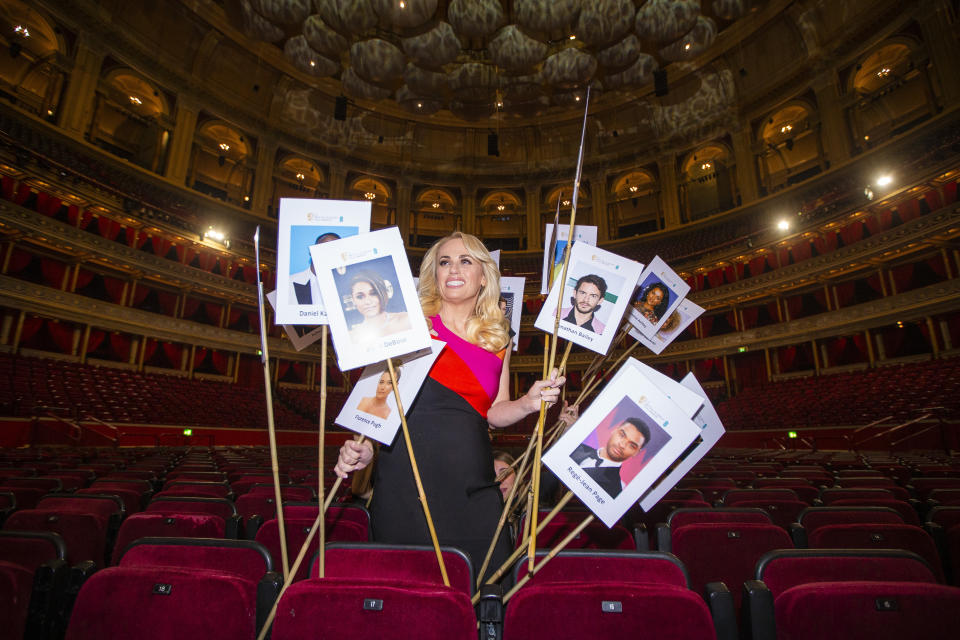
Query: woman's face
[
  {"x": 654, "y": 297},
  {"x": 383, "y": 386},
  {"x": 459, "y": 275},
  {"x": 365, "y": 299}
]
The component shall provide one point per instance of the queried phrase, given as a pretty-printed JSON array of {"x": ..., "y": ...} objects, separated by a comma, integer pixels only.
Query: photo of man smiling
[{"x": 587, "y": 295}]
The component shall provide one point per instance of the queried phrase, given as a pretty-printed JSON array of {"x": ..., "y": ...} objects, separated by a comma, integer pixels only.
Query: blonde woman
[{"x": 467, "y": 389}]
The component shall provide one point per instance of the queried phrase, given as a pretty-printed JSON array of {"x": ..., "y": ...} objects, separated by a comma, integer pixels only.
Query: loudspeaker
[
  {"x": 340, "y": 108},
  {"x": 493, "y": 145},
  {"x": 789, "y": 144},
  {"x": 660, "y": 87}
]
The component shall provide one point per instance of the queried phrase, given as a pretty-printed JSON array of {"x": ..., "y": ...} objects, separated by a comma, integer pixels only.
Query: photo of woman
[
  {"x": 370, "y": 296},
  {"x": 653, "y": 301},
  {"x": 377, "y": 404}
]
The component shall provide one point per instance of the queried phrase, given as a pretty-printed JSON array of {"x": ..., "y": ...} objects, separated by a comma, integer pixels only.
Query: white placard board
[
  {"x": 659, "y": 291},
  {"x": 511, "y": 296},
  {"x": 711, "y": 429},
  {"x": 553, "y": 256},
  {"x": 594, "y": 297},
  {"x": 681, "y": 318},
  {"x": 304, "y": 222},
  {"x": 620, "y": 446},
  {"x": 300, "y": 336},
  {"x": 371, "y": 301},
  {"x": 371, "y": 408}
]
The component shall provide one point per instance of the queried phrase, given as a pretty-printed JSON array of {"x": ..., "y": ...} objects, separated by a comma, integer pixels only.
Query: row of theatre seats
[{"x": 187, "y": 541}]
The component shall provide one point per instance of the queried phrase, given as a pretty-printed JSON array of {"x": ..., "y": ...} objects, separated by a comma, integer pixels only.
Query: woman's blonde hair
[{"x": 488, "y": 327}]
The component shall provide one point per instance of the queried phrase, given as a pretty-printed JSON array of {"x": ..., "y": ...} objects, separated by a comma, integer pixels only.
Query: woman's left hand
[{"x": 546, "y": 390}]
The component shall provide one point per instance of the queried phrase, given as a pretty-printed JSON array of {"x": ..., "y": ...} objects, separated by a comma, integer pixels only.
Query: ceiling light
[
  {"x": 313, "y": 63},
  {"x": 785, "y": 128},
  {"x": 435, "y": 205},
  {"x": 370, "y": 195},
  {"x": 577, "y": 98},
  {"x": 419, "y": 105},
  {"x": 573, "y": 37},
  {"x": 884, "y": 180},
  {"x": 706, "y": 165},
  {"x": 633, "y": 188},
  {"x": 136, "y": 100},
  {"x": 213, "y": 234},
  {"x": 565, "y": 203},
  {"x": 224, "y": 146},
  {"x": 687, "y": 46},
  {"x": 403, "y": 5},
  {"x": 300, "y": 177},
  {"x": 866, "y": 137},
  {"x": 884, "y": 72},
  {"x": 501, "y": 207},
  {"x": 499, "y": 104},
  {"x": 21, "y": 30},
  {"x": 783, "y": 225},
  {"x": 246, "y": 198},
  {"x": 49, "y": 112}
]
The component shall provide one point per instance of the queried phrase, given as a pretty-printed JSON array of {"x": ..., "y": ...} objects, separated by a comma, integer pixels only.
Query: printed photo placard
[
  {"x": 553, "y": 256},
  {"x": 371, "y": 301},
  {"x": 371, "y": 408},
  {"x": 711, "y": 429},
  {"x": 511, "y": 303},
  {"x": 593, "y": 298},
  {"x": 620, "y": 446},
  {"x": 304, "y": 222},
  {"x": 681, "y": 318},
  {"x": 300, "y": 336},
  {"x": 689, "y": 401},
  {"x": 659, "y": 291}
]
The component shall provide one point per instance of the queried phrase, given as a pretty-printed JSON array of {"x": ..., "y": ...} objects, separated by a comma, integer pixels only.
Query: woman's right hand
[{"x": 353, "y": 456}]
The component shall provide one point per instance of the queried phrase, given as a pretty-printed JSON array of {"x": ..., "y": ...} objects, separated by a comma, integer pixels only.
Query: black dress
[{"x": 448, "y": 430}]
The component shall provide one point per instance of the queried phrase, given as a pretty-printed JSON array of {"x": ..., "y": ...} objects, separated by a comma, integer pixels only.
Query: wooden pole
[
  {"x": 535, "y": 481},
  {"x": 553, "y": 552},
  {"x": 416, "y": 474},
  {"x": 271, "y": 430},
  {"x": 320, "y": 449}
]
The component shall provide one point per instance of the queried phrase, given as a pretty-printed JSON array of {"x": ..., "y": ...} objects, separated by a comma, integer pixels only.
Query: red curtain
[
  {"x": 692, "y": 281},
  {"x": 794, "y": 306},
  {"x": 95, "y": 339},
  {"x": 874, "y": 282},
  {"x": 114, "y": 287},
  {"x": 234, "y": 316},
  {"x": 206, "y": 260},
  {"x": 84, "y": 219},
  {"x": 140, "y": 292},
  {"x": 893, "y": 340},
  {"x": 783, "y": 253},
  {"x": 715, "y": 278},
  {"x": 174, "y": 353},
  {"x": 825, "y": 243},
  {"x": 190, "y": 306},
  {"x": 880, "y": 221},
  {"x": 801, "y": 251},
  {"x": 7, "y": 187},
  {"x": 23, "y": 194},
  {"x": 820, "y": 295},
  {"x": 19, "y": 260},
  {"x": 52, "y": 271},
  {"x": 730, "y": 273},
  {"x": 161, "y": 246},
  {"x": 750, "y": 316},
  {"x": 282, "y": 366},
  {"x": 852, "y": 233},
  {"x": 62, "y": 334},
  {"x": 31, "y": 325},
  {"x": 756, "y": 266},
  {"x": 933, "y": 200},
  {"x": 772, "y": 260},
  {"x": 84, "y": 278},
  {"x": 219, "y": 360},
  {"x": 168, "y": 302},
  {"x": 937, "y": 265},
  {"x": 845, "y": 291},
  {"x": 902, "y": 277},
  {"x": 250, "y": 274},
  {"x": 120, "y": 345},
  {"x": 950, "y": 192},
  {"x": 909, "y": 210},
  {"x": 213, "y": 311},
  {"x": 787, "y": 356},
  {"x": 108, "y": 228},
  {"x": 149, "y": 348},
  {"x": 732, "y": 319},
  {"x": 706, "y": 323},
  {"x": 185, "y": 254},
  {"x": 232, "y": 270},
  {"x": 199, "y": 355},
  {"x": 773, "y": 310}
]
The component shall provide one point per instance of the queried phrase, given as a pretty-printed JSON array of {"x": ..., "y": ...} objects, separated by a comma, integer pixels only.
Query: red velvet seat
[
  {"x": 725, "y": 552},
  {"x": 159, "y": 603},
  {"x": 16, "y": 584},
  {"x": 904, "y": 509},
  {"x": 607, "y": 610},
  {"x": 829, "y": 496},
  {"x": 373, "y": 610},
  {"x": 85, "y": 534},
  {"x": 804, "y": 490},
  {"x": 783, "y": 513},
  {"x": 641, "y": 567},
  {"x": 814, "y": 517},
  {"x": 923, "y": 486},
  {"x": 843, "y": 610},
  {"x": 734, "y": 497},
  {"x": 596, "y": 535},
  {"x": 878, "y": 536},
  {"x": 682, "y": 517},
  {"x": 297, "y": 530},
  {"x": 167, "y": 525},
  {"x": 404, "y": 563}
]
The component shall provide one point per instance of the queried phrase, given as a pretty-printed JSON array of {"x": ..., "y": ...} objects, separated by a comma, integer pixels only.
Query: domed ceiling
[{"x": 477, "y": 58}]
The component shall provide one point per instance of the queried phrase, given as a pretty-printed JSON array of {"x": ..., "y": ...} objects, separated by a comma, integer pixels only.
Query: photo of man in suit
[
  {"x": 587, "y": 295},
  {"x": 303, "y": 284},
  {"x": 626, "y": 440}
]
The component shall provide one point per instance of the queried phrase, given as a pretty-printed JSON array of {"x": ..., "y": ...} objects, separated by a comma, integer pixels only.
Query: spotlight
[
  {"x": 783, "y": 225},
  {"x": 884, "y": 180}
]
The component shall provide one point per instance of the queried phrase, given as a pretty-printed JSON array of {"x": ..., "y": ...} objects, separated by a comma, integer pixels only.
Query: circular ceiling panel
[
  {"x": 408, "y": 14},
  {"x": 476, "y": 18},
  {"x": 298, "y": 52},
  {"x": 417, "y": 104},
  {"x": 568, "y": 68},
  {"x": 426, "y": 83},
  {"x": 356, "y": 87},
  {"x": 666, "y": 20},
  {"x": 434, "y": 48},
  {"x": 693, "y": 43},
  {"x": 377, "y": 61},
  {"x": 546, "y": 16},
  {"x": 475, "y": 82},
  {"x": 322, "y": 38},
  {"x": 258, "y": 27},
  {"x": 348, "y": 16},
  {"x": 603, "y": 22},
  {"x": 620, "y": 55},
  {"x": 637, "y": 75},
  {"x": 282, "y": 11},
  {"x": 515, "y": 51}
]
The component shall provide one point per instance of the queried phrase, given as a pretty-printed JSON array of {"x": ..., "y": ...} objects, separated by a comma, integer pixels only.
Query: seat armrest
[
  {"x": 720, "y": 601},
  {"x": 663, "y": 536},
  {"x": 268, "y": 590},
  {"x": 757, "y": 614},
  {"x": 252, "y": 526},
  {"x": 799, "y": 535},
  {"x": 490, "y": 612}
]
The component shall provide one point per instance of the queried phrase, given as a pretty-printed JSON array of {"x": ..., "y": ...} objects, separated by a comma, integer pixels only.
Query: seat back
[
  {"x": 244, "y": 557},
  {"x": 143, "y": 525},
  {"x": 363, "y": 610},
  {"x": 734, "y": 497},
  {"x": 30, "y": 549},
  {"x": 783, "y": 513},
  {"x": 159, "y": 603},
  {"x": 403, "y": 563},
  {"x": 298, "y": 529},
  {"x": 815, "y": 517},
  {"x": 642, "y": 567},
  {"x": 606, "y": 610},
  {"x": 841, "y": 610},
  {"x": 725, "y": 551},
  {"x": 905, "y": 509},
  {"x": 222, "y": 507},
  {"x": 878, "y": 536},
  {"x": 84, "y": 534},
  {"x": 782, "y": 569}
]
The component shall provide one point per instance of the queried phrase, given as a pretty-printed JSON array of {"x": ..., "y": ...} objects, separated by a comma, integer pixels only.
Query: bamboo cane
[
  {"x": 416, "y": 474},
  {"x": 531, "y": 549},
  {"x": 553, "y": 552},
  {"x": 566, "y": 354},
  {"x": 320, "y": 449},
  {"x": 519, "y": 550},
  {"x": 271, "y": 430},
  {"x": 587, "y": 390}
]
